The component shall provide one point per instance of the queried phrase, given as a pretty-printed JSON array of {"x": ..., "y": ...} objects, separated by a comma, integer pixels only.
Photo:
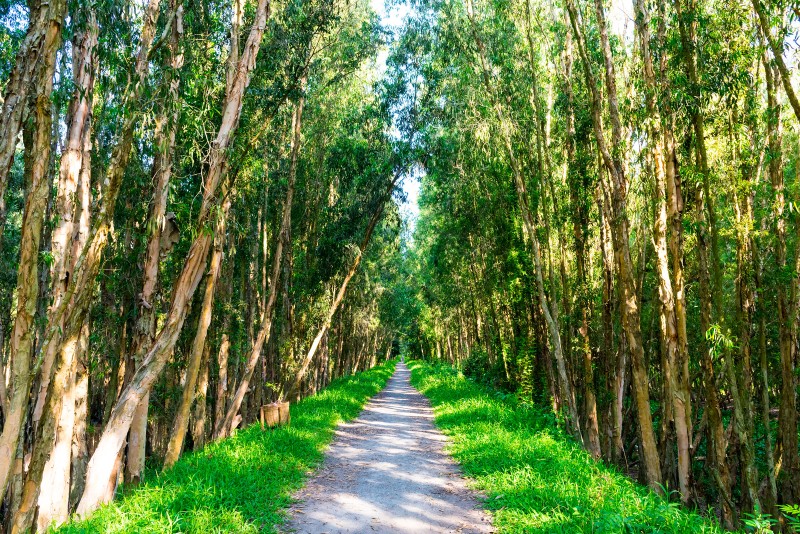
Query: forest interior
[{"x": 580, "y": 219}]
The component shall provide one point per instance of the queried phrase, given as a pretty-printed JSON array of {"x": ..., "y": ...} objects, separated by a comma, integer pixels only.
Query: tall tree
[{"x": 616, "y": 189}]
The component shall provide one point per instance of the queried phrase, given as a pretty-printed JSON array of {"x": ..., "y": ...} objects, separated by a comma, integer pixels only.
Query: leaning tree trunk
[
  {"x": 225, "y": 426},
  {"x": 180, "y": 424},
  {"x": 144, "y": 329},
  {"x": 98, "y": 477}
]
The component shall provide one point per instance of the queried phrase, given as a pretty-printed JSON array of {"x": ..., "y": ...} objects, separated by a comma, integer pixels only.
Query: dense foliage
[
  {"x": 199, "y": 215},
  {"x": 608, "y": 228}
]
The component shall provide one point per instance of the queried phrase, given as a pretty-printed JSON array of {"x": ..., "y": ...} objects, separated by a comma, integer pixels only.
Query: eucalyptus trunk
[
  {"x": 99, "y": 483},
  {"x": 21, "y": 342},
  {"x": 181, "y": 421},
  {"x": 615, "y": 189}
]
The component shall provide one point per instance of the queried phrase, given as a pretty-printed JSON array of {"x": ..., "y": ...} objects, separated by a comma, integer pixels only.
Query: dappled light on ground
[{"x": 386, "y": 472}]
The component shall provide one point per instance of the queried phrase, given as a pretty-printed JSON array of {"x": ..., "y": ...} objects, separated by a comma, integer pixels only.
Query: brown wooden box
[{"x": 275, "y": 414}]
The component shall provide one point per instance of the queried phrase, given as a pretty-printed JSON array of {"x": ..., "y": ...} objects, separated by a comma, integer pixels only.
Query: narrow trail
[{"x": 386, "y": 471}]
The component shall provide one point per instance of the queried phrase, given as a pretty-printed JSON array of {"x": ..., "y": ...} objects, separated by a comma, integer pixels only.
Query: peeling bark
[
  {"x": 98, "y": 479},
  {"x": 23, "y": 330}
]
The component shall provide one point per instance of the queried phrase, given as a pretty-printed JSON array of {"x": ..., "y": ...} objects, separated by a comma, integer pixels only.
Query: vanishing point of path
[{"x": 386, "y": 472}]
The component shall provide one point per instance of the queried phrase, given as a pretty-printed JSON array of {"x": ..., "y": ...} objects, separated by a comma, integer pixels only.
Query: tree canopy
[{"x": 200, "y": 214}]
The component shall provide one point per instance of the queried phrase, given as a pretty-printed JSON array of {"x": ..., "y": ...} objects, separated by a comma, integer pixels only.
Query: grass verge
[
  {"x": 240, "y": 484},
  {"x": 535, "y": 477}
]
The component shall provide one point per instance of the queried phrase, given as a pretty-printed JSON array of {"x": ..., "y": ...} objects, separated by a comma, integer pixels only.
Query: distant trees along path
[{"x": 199, "y": 215}]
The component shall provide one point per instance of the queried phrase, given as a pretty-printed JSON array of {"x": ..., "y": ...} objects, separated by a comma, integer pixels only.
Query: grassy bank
[
  {"x": 536, "y": 478},
  {"x": 240, "y": 484}
]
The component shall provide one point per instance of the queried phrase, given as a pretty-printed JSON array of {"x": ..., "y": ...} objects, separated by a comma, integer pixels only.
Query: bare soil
[{"x": 386, "y": 471}]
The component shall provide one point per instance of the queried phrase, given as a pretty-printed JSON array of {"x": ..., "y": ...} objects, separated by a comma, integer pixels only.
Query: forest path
[{"x": 386, "y": 471}]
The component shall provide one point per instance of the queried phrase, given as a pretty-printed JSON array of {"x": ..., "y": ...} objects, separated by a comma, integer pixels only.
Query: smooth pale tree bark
[
  {"x": 181, "y": 422},
  {"x": 83, "y": 67},
  {"x": 663, "y": 158},
  {"x": 144, "y": 329},
  {"x": 32, "y": 70},
  {"x": 21, "y": 343},
  {"x": 99, "y": 482},
  {"x": 531, "y": 228},
  {"x": 225, "y": 426},
  {"x": 616, "y": 187}
]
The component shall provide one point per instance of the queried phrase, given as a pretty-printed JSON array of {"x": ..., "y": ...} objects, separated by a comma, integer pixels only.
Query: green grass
[
  {"x": 240, "y": 484},
  {"x": 535, "y": 478}
]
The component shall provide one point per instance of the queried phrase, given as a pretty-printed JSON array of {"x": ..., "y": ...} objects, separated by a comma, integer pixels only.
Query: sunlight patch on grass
[
  {"x": 536, "y": 478},
  {"x": 242, "y": 484}
]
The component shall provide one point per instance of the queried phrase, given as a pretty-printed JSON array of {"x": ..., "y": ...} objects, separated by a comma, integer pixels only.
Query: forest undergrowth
[
  {"x": 535, "y": 477},
  {"x": 243, "y": 483}
]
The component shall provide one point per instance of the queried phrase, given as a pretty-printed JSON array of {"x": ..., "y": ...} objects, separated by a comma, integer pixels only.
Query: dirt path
[{"x": 386, "y": 472}]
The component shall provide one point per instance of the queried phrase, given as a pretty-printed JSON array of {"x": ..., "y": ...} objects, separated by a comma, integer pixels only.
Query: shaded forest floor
[
  {"x": 244, "y": 483},
  {"x": 536, "y": 478}
]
